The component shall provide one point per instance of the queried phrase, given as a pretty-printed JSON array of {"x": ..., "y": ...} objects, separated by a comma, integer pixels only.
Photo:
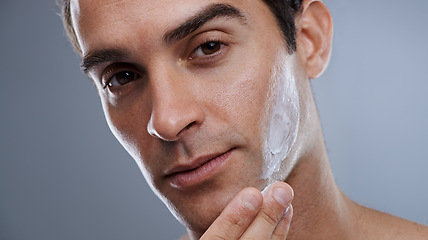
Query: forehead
[
  {"x": 147, "y": 8},
  {"x": 95, "y": 20}
]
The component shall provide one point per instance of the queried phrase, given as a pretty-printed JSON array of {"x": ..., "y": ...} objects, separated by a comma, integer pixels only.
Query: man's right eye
[{"x": 121, "y": 78}]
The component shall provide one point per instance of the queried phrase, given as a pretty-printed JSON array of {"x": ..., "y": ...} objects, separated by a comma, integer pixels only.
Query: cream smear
[{"x": 283, "y": 117}]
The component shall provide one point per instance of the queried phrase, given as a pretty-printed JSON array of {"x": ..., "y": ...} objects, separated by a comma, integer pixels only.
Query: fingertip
[
  {"x": 278, "y": 184},
  {"x": 264, "y": 191},
  {"x": 282, "y": 196},
  {"x": 285, "y": 186},
  {"x": 251, "y": 198},
  {"x": 281, "y": 192}
]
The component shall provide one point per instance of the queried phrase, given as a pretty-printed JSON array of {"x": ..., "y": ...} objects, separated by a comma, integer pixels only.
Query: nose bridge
[{"x": 174, "y": 105}]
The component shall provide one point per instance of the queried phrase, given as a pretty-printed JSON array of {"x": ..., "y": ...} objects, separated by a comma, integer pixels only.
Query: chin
[
  {"x": 199, "y": 208},
  {"x": 197, "y": 213}
]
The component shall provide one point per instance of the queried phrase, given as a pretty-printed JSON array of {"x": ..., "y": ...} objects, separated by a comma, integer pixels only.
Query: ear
[{"x": 314, "y": 32}]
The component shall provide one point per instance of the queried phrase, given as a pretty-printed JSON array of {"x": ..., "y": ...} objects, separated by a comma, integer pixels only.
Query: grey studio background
[{"x": 64, "y": 176}]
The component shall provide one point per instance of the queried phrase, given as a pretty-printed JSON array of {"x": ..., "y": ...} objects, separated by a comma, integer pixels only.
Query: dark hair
[{"x": 285, "y": 12}]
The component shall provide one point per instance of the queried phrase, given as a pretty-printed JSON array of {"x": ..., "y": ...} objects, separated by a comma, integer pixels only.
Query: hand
[{"x": 251, "y": 215}]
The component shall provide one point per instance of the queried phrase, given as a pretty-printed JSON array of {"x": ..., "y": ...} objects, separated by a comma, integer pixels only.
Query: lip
[{"x": 197, "y": 171}]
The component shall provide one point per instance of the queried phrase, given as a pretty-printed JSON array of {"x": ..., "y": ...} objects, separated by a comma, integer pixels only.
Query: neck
[{"x": 321, "y": 210}]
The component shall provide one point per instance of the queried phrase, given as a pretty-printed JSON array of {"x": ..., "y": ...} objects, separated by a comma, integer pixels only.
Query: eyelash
[
  {"x": 111, "y": 73},
  {"x": 209, "y": 56}
]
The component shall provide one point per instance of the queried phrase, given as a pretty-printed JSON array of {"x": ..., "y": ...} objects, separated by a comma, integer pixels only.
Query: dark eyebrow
[
  {"x": 93, "y": 59},
  {"x": 207, "y": 14}
]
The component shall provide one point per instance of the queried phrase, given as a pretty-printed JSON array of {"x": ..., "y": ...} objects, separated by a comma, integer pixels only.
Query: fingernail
[
  {"x": 287, "y": 211},
  {"x": 266, "y": 188},
  {"x": 281, "y": 195},
  {"x": 250, "y": 201}
]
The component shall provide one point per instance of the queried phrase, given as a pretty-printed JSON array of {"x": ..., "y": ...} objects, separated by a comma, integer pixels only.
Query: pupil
[
  {"x": 210, "y": 48},
  {"x": 124, "y": 77}
]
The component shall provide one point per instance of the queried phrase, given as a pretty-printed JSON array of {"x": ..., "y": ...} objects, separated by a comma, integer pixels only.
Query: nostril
[
  {"x": 150, "y": 128},
  {"x": 186, "y": 128},
  {"x": 162, "y": 130},
  {"x": 169, "y": 122}
]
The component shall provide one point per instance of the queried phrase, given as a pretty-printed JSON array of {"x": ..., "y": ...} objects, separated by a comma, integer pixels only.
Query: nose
[{"x": 175, "y": 110}]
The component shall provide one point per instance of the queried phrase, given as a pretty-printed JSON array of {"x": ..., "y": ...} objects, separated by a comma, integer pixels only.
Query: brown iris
[
  {"x": 122, "y": 78},
  {"x": 210, "y": 47}
]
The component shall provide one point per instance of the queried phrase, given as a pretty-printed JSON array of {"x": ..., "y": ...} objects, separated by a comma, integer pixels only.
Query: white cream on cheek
[{"x": 282, "y": 118}]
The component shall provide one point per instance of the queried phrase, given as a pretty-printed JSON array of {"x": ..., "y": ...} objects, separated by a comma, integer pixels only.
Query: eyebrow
[
  {"x": 207, "y": 14},
  {"x": 93, "y": 59}
]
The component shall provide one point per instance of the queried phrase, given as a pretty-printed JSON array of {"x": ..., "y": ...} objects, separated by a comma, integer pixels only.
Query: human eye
[
  {"x": 208, "y": 49},
  {"x": 121, "y": 78},
  {"x": 118, "y": 75}
]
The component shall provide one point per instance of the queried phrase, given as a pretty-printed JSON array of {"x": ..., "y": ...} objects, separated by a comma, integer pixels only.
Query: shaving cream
[{"x": 283, "y": 117}]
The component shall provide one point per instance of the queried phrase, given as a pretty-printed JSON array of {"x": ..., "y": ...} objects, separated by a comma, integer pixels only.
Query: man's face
[{"x": 201, "y": 93}]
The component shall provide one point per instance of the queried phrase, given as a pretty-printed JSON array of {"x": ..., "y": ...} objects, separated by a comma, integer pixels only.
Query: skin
[{"x": 181, "y": 104}]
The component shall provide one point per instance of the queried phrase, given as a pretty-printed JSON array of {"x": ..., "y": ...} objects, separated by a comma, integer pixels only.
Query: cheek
[
  {"x": 244, "y": 103},
  {"x": 119, "y": 125},
  {"x": 129, "y": 126},
  {"x": 282, "y": 114}
]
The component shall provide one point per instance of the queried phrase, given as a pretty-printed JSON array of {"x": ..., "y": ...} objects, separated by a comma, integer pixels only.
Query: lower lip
[{"x": 198, "y": 175}]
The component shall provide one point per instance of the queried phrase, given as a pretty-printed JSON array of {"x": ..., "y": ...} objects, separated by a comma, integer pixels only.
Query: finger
[
  {"x": 281, "y": 230},
  {"x": 276, "y": 200},
  {"x": 237, "y": 216}
]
